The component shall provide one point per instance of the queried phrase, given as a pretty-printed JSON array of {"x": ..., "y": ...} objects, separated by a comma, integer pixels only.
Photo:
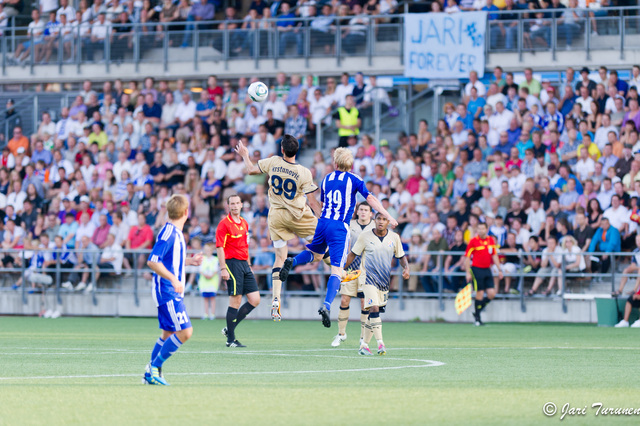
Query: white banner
[{"x": 442, "y": 45}]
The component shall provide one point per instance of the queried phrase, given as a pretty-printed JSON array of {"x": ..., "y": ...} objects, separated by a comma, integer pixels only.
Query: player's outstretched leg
[
  {"x": 333, "y": 284},
  {"x": 303, "y": 258},
  {"x": 277, "y": 288}
]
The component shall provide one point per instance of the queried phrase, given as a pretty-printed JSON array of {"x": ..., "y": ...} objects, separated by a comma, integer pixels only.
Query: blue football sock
[
  {"x": 332, "y": 289},
  {"x": 170, "y": 346},
  {"x": 157, "y": 348},
  {"x": 303, "y": 258}
]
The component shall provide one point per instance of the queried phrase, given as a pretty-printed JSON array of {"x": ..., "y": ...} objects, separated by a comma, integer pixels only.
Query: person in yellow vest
[
  {"x": 348, "y": 121},
  {"x": 209, "y": 281}
]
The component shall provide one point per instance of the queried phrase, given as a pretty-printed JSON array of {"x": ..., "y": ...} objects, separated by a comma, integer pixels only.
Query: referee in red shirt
[
  {"x": 232, "y": 245},
  {"x": 482, "y": 249}
]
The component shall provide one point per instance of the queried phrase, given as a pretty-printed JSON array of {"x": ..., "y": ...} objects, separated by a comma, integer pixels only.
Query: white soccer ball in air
[{"x": 258, "y": 91}]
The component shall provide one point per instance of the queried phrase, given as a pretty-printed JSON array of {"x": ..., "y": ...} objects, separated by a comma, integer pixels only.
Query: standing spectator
[{"x": 348, "y": 121}]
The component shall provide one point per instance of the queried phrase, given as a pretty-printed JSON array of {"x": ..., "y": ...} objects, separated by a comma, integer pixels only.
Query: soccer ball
[{"x": 258, "y": 91}]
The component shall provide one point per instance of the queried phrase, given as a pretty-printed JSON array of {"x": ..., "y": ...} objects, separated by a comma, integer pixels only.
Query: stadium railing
[
  {"x": 159, "y": 42},
  {"x": 575, "y": 285}
]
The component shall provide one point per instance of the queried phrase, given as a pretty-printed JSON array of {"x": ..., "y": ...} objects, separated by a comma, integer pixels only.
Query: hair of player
[
  {"x": 290, "y": 145},
  {"x": 177, "y": 206},
  {"x": 365, "y": 204},
  {"x": 232, "y": 196},
  {"x": 483, "y": 224},
  {"x": 343, "y": 159}
]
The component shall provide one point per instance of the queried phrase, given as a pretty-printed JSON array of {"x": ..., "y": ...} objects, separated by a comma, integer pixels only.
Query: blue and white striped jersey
[
  {"x": 338, "y": 195},
  {"x": 170, "y": 249}
]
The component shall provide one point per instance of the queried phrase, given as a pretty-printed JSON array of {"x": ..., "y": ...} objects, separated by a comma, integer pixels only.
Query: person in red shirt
[
  {"x": 213, "y": 88},
  {"x": 140, "y": 238},
  {"x": 232, "y": 245},
  {"x": 481, "y": 252}
]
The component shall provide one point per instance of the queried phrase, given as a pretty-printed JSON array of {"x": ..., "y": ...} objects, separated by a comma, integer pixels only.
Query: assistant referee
[
  {"x": 482, "y": 249},
  {"x": 232, "y": 245}
]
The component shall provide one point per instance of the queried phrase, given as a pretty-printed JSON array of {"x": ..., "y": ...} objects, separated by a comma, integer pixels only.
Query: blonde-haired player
[
  {"x": 377, "y": 248},
  {"x": 168, "y": 260},
  {"x": 291, "y": 211},
  {"x": 338, "y": 195}
]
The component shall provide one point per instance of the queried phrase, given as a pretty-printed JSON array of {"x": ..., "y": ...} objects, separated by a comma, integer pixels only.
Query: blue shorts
[
  {"x": 209, "y": 294},
  {"x": 172, "y": 316},
  {"x": 334, "y": 234},
  {"x": 27, "y": 44}
]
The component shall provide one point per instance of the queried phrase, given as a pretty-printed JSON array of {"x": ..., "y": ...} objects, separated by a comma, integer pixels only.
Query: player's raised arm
[
  {"x": 242, "y": 150},
  {"x": 377, "y": 206}
]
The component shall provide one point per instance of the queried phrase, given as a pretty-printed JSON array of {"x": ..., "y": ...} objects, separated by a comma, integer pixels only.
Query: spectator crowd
[
  {"x": 106, "y": 165},
  {"x": 552, "y": 168}
]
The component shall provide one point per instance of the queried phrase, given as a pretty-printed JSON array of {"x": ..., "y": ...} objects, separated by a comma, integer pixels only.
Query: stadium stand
[{"x": 540, "y": 156}]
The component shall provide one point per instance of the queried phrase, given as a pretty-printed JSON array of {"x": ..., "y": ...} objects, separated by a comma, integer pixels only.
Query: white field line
[
  {"x": 133, "y": 351},
  {"x": 422, "y": 363}
]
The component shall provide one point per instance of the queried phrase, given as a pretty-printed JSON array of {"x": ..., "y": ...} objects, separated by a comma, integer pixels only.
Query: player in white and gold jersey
[
  {"x": 292, "y": 205},
  {"x": 377, "y": 247},
  {"x": 363, "y": 222}
]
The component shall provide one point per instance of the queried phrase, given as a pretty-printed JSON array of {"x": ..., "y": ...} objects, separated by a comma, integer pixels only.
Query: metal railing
[
  {"x": 597, "y": 29},
  {"x": 435, "y": 281},
  {"x": 161, "y": 42}
]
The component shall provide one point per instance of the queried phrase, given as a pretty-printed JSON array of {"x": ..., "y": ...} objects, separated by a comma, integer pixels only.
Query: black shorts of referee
[
  {"x": 482, "y": 278},
  {"x": 241, "y": 279}
]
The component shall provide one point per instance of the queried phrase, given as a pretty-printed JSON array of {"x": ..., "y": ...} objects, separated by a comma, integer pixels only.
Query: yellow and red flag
[{"x": 463, "y": 299}]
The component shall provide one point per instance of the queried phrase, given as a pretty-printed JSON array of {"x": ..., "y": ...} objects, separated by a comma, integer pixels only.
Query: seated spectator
[
  {"x": 264, "y": 142},
  {"x": 35, "y": 45},
  {"x": 110, "y": 261},
  {"x": 140, "y": 238},
  {"x": 416, "y": 257},
  {"x": 550, "y": 265},
  {"x": 201, "y": 11},
  {"x": 68, "y": 231},
  {"x": 434, "y": 264},
  {"x": 288, "y": 30},
  {"x": 296, "y": 125},
  {"x": 323, "y": 29},
  {"x": 632, "y": 302},
  {"x": 606, "y": 240},
  {"x": 100, "y": 31},
  {"x": 99, "y": 237},
  {"x": 574, "y": 260}
]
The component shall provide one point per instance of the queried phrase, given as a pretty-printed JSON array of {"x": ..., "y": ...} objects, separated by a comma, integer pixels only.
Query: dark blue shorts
[
  {"x": 209, "y": 294},
  {"x": 172, "y": 316},
  {"x": 335, "y": 235}
]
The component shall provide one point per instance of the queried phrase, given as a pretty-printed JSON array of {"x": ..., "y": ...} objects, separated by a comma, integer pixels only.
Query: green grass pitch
[{"x": 88, "y": 371}]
